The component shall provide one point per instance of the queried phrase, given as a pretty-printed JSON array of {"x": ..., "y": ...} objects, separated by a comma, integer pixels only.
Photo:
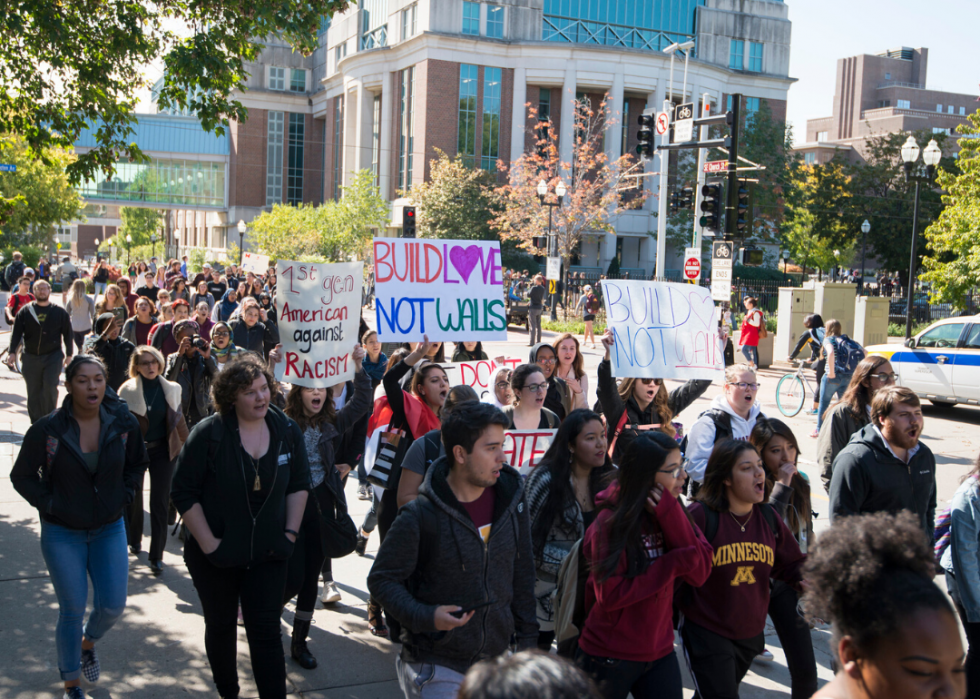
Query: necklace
[
  {"x": 257, "y": 484},
  {"x": 157, "y": 389},
  {"x": 740, "y": 525}
]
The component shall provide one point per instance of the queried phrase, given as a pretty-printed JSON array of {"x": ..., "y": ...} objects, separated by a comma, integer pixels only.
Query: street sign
[
  {"x": 721, "y": 291},
  {"x": 552, "y": 286},
  {"x": 684, "y": 122},
  {"x": 7, "y": 168},
  {"x": 692, "y": 263},
  {"x": 716, "y": 166},
  {"x": 663, "y": 123},
  {"x": 553, "y": 269},
  {"x": 722, "y": 254},
  {"x": 721, "y": 274}
]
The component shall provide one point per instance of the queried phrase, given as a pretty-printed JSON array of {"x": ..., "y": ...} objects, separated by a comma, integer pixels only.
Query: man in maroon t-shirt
[{"x": 18, "y": 299}]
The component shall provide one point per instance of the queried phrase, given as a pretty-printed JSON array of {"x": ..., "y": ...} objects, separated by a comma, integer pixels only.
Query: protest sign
[
  {"x": 319, "y": 316},
  {"x": 524, "y": 448},
  {"x": 446, "y": 289},
  {"x": 255, "y": 263},
  {"x": 478, "y": 375},
  {"x": 662, "y": 330}
]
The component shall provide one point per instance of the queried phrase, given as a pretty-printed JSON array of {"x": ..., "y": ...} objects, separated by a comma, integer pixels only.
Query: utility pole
[
  {"x": 702, "y": 158},
  {"x": 732, "y": 200}
]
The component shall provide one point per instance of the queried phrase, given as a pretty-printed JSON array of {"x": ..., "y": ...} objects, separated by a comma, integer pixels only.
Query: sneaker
[
  {"x": 364, "y": 491},
  {"x": 331, "y": 595},
  {"x": 74, "y": 693},
  {"x": 361, "y": 544},
  {"x": 765, "y": 656},
  {"x": 815, "y": 434},
  {"x": 90, "y": 665}
]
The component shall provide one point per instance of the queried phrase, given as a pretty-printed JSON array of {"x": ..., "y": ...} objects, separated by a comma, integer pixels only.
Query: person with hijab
[
  {"x": 226, "y": 307},
  {"x": 223, "y": 349}
]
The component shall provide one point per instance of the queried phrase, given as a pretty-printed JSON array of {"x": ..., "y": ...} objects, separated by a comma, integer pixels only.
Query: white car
[{"x": 942, "y": 363}]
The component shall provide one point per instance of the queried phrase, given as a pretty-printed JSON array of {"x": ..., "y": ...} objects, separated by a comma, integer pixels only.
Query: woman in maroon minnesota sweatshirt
[
  {"x": 724, "y": 620},
  {"x": 640, "y": 545}
]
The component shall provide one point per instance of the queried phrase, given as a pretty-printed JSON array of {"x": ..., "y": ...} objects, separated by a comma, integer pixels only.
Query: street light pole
[
  {"x": 241, "y": 241},
  {"x": 930, "y": 156},
  {"x": 560, "y": 192},
  {"x": 865, "y": 227}
]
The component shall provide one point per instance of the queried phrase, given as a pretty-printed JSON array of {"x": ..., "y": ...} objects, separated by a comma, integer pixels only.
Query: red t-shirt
[
  {"x": 481, "y": 512},
  {"x": 750, "y": 333},
  {"x": 18, "y": 301}
]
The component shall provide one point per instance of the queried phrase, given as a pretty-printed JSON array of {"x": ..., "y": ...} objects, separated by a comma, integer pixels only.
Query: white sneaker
[
  {"x": 765, "y": 656},
  {"x": 331, "y": 595}
]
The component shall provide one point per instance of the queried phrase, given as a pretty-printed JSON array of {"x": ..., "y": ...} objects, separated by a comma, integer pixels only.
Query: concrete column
[
  {"x": 518, "y": 114},
  {"x": 567, "y": 136},
  {"x": 614, "y": 133},
  {"x": 387, "y": 108},
  {"x": 352, "y": 104},
  {"x": 365, "y": 125}
]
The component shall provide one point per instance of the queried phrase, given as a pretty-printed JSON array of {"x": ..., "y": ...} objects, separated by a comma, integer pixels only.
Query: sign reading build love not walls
[
  {"x": 319, "y": 316},
  {"x": 446, "y": 289}
]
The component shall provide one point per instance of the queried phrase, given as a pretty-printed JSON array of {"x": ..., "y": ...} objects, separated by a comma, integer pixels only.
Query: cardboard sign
[
  {"x": 255, "y": 263},
  {"x": 478, "y": 375},
  {"x": 524, "y": 448},
  {"x": 662, "y": 330},
  {"x": 446, "y": 289},
  {"x": 319, "y": 316}
]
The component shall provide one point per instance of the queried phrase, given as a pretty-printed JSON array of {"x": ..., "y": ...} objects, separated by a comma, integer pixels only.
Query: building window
[
  {"x": 962, "y": 111},
  {"x": 755, "y": 57},
  {"x": 409, "y": 20},
  {"x": 903, "y": 104},
  {"x": 406, "y": 142},
  {"x": 466, "y": 139},
  {"x": 374, "y": 28},
  {"x": 297, "y": 80},
  {"x": 338, "y": 145},
  {"x": 751, "y": 106},
  {"x": 939, "y": 108},
  {"x": 821, "y": 136},
  {"x": 544, "y": 104},
  {"x": 277, "y": 79},
  {"x": 471, "y": 18},
  {"x": 294, "y": 173},
  {"x": 940, "y": 129},
  {"x": 624, "y": 124},
  {"x": 810, "y": 158},
  {"x": 491, "y": 118},
  {"x": 376, "y": 136},
  {"x": 340, "y": 52},
  {"x": 495, "y": 21},
  {"x": 950, "y": 109},
  {"x": 888, "y": 76},
  {"x": 736, "y": 54},
  {"x": 273, "y": 172}
]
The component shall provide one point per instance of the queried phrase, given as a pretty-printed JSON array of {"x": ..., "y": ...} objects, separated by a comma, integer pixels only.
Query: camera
[{"x": 199, "y": 342}]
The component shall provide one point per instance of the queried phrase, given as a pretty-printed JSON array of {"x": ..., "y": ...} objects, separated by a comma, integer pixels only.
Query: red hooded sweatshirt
[{"x": 631, "y": 618}]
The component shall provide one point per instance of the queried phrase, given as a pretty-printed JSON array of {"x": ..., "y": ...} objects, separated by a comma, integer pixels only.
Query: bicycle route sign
[{"x": 722, "y": 256}]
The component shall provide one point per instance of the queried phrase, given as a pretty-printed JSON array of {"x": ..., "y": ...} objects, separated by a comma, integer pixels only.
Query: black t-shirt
[
  {"x": 149, "y": 292},
  {"x": 217, "y": 290}
]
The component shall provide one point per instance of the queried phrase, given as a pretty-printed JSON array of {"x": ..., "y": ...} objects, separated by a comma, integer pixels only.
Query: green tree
[
  {"x": 769, "y": 142},
  {"x": 66, "y": 64},
  {"x": 360, "y": 212},
  {"x": 289, "y": 232},
  {"x": 139, "y": 224},
  {"x": 39, "y": 191},
  {"x": 952, "y": 262},
  {"x": 455, "y": 202}
]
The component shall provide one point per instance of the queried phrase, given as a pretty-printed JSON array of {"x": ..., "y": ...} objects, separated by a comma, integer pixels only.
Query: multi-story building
[
  {"x": 882, "y": 93},
  {"x": 394, "y": 80}
]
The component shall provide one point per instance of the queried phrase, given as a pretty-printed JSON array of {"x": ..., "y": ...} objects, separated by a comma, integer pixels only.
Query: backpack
[
  {"x": 763, "y": 333},
  {"x": 723, "y": 426},
  {"x": 592, "y": 303},
  {"x": 428, "y": 542},
  {"x": 569, "y": 601},
  {"x": 847, "y": 354},
  {"x": 940, "y": 536}
]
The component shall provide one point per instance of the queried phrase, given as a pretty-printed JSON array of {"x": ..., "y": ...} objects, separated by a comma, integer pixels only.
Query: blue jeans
[
  {"x": 828, "y": 387},
  {"x": 72, "y": 556},
  {"x": 100, "y": 287},
  {"x": 427, "y": 680},
  {"x": 751, "y": 353}
]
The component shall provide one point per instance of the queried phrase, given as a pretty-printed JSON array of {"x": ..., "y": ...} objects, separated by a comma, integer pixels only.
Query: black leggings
[
  {"x": 616, "y": 679},
  {"x": 303, "y": 576},
  {"x": 794, "y": 636},
  {"x": 972, "y": 638},
  {"x": 820, "y": 367},
  {"x": 259, "y": 590}
]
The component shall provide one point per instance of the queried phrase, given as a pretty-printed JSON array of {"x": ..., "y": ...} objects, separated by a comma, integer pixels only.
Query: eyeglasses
[
  {"x": 655, "y": 382},
  {"x": 151, "y": 362},
  {"x": 742, "y": 385},
  {"x": 503, "y": 384},
  {"x": 536, "y": 387},
  {"x": 546, "y": 360},
  {"x": 676, "y": 473},
  {"x": 884, "y": 377},
  {"x": 221, "y": 333}
]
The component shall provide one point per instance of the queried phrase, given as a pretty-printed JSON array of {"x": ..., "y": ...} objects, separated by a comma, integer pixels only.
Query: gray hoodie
[
  {"x": 701, "y": 438},
  {"x": 460, "y": 569}
]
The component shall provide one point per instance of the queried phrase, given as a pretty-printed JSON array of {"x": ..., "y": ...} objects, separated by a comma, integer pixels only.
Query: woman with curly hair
[
  {"x": 241, "y": 485},
  {"x": 894, "y": 632}
]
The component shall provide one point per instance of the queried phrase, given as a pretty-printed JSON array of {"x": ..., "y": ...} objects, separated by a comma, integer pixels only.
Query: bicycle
[
  {"x": 791, "y": 390},
  {"x": 3, "y": 355}
]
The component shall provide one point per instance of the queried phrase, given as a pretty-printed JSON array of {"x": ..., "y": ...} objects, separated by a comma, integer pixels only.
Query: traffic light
[
  {"x": 644, "y": 136},
  {"x": 675, "y": 202},
  {"x": 686, "y": 200},
  {"x": 540, "y": 241},
  {"x": 743, "y": 208},
  {"x": 408, "y": 222},
  {"x": 711, "y": 206}
]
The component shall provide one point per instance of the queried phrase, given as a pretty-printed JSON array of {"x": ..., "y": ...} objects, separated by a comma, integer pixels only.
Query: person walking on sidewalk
[
  {"x": 43, "y": 328},
  {"x": 79, "y": 467},
  {"x": 457, "y": 567},
  {"x": 748, "y": 339},
  {"x": 534, "y": 310}
]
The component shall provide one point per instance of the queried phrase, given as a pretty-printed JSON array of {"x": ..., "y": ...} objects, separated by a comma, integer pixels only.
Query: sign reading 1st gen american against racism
[
  {"x": 319, "y": 316},
  {"x": 446, "y": 289},
  {"x": 662, "y": 330}
]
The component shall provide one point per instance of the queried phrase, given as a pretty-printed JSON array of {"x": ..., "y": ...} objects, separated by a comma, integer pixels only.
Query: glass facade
[
  {"x": 294, "y": 174},
  {"x": 495, "y": 22},
  {"x": 755, "y": 57},
  {"x": 374, "y": 32},
  {"x": 406, "y": 136},
  {"x": 736, "y": 54},
  {"x": 189, "y": 183},
  {"x": 471, "y": 18},
  {"x": 490, "y": 147},
  {"x": 273, "y": 169},
  {"x": 638, "y": 24},
  {"x": 466, "y": 138}
]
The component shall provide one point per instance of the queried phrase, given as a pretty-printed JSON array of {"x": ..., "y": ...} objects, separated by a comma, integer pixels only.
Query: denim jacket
[{"x": 962, "y": 557}]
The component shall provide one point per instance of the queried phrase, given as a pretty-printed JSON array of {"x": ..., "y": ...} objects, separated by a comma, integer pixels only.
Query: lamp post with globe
[{"x": 930, "y": 157}]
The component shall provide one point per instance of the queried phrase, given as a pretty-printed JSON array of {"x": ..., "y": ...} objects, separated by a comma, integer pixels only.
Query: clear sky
[{"x": 826, "y": 30}]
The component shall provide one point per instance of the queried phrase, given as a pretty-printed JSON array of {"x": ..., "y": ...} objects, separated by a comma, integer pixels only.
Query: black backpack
[{"x": 723, "y": 426}]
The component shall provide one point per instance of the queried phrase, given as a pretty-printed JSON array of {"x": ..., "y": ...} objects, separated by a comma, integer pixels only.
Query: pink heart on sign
[{"x": 465, "y": 259}]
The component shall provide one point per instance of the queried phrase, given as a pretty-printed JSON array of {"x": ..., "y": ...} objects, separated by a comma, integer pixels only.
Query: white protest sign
[
  {"x": 662, "y": 330},
  {"x": 319, "y": 316},
  {"x": 446, "y": 289},
  {"x": 255, "y": 263},
  {"x": 478, "y": 375},
  {"x": 524, "y": 448}
]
